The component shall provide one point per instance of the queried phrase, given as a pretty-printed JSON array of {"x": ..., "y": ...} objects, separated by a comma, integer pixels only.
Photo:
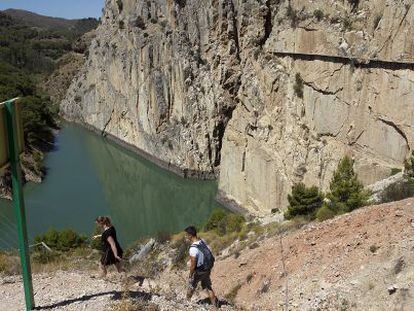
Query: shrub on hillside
[
  {"x": 45, "y": 257},
  {"x": 303, "y": 201},
  {"x": 223, "y": 222},
  {"x": 181, "y": 247},
  {"x": 346, "y": 191},
  {"x": 325, "y": 212},
  {"x": 61, "y": 241},
  {"x": 162, "y": 237},
  {"x": 212, "y": 222},
  {"x": 231, "y": 223}
]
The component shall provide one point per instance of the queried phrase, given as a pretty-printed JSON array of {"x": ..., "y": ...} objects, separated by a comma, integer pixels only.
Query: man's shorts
[{"x": 203, "y": 277}]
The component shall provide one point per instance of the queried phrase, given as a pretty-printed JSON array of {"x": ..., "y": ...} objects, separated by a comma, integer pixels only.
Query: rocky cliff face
[
  {"x": 162, "y": 76},
  {"x": 268, "y": 93}
]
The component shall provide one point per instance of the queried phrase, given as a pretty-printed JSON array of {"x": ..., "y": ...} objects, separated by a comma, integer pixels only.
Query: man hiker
[{"x": 201, "y": 263}]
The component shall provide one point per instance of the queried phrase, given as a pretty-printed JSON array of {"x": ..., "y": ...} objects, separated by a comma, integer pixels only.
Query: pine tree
[
  {"x": 303, "y": 201},
  {"x": 346, "y": 191}
]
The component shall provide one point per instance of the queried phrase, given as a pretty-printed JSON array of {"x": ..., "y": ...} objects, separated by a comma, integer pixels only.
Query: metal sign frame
[
  {"x": 4, "y": 154},
  {"x": 13, "y": 133}
]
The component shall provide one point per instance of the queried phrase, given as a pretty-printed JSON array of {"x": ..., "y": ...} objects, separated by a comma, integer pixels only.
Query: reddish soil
[{"x": 334, "y": 258}]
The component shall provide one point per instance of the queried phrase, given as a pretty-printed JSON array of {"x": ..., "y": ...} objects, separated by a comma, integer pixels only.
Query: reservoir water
[{"x": 88, "y": 176}]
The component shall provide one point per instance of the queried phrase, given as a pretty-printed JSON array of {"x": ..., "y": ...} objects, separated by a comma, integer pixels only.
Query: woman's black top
[{"x": 108, "y": 257}]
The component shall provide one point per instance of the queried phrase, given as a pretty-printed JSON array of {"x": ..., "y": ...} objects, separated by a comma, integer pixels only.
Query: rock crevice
[{"x": 397, "y": 129}]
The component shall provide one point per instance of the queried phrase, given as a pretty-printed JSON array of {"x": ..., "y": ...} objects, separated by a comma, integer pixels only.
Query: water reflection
[
  {"x": 89, "y": 176},
  {"x": 145, "y": 199}
]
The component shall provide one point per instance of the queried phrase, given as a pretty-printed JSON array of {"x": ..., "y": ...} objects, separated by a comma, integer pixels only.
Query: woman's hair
[{"x": 103, "y": 220}]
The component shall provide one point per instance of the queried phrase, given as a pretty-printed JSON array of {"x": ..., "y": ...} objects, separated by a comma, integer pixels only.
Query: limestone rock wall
[
  {"x": 299, "y": 114},
  {"x": 269, "y": 92},
  {"x": 162, "y": 76}
]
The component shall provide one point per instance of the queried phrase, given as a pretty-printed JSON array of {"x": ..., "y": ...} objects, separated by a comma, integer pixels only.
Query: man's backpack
[{"x": 209, "y": 259}]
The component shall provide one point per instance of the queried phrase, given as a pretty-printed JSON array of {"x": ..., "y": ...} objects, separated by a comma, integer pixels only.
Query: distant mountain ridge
[{"x": 30, "y": 19}]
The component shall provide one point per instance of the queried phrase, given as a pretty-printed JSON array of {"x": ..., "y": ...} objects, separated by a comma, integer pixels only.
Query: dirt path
[
  {"x": 61, "y": 291},
  {"x": 79, "y": 291}
]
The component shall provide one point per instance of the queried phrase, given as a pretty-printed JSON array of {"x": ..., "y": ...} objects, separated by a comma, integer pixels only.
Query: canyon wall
[
  {"x": 162, "y": 76},
  {"x": 262, "y": 94}
]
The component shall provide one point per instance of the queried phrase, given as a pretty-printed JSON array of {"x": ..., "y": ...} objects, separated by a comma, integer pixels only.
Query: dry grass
[
  {"x": 77, "y": 259},
  {"x": 9, "y": 263},
  {"x": 219, "y": 243},
  {"x": 293, "y": 225},
  {"x": 253, "y": 233},
  {"x": 177, "y": 238},
  {"x": 46, "y": 262}
]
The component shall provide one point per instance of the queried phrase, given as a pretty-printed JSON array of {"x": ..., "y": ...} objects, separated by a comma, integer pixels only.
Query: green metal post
[{"x": 18, "y": 202}]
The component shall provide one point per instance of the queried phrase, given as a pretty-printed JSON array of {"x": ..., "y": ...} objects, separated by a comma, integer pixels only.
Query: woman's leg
[
  {"x": 119, "y": 267},
  {"x": 103, "y": 269}
]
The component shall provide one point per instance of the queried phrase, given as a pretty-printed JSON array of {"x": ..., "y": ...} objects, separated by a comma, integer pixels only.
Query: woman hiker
[{"x": 111, "y": 250}]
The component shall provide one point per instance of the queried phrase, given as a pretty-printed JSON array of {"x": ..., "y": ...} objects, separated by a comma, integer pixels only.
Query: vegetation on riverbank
[
  {"x": 30, "y": 49},
  {"x": 69, "y": 249},
  {"x": 62, "y": 250}
]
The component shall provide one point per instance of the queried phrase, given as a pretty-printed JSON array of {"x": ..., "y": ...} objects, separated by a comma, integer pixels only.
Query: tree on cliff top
[{"x": 346, "y": 191}]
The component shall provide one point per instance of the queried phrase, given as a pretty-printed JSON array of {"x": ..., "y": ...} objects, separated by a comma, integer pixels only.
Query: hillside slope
[
  {"x": 348, "y": 263},
  {"x": 359, "y": 261}
]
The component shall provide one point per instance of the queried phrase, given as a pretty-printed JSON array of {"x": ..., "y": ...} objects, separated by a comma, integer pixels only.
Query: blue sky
[{"x": 58, "y": 8}]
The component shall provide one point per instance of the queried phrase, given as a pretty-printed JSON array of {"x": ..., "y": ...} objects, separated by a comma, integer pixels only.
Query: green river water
[{"x": 88, "y": 176}]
